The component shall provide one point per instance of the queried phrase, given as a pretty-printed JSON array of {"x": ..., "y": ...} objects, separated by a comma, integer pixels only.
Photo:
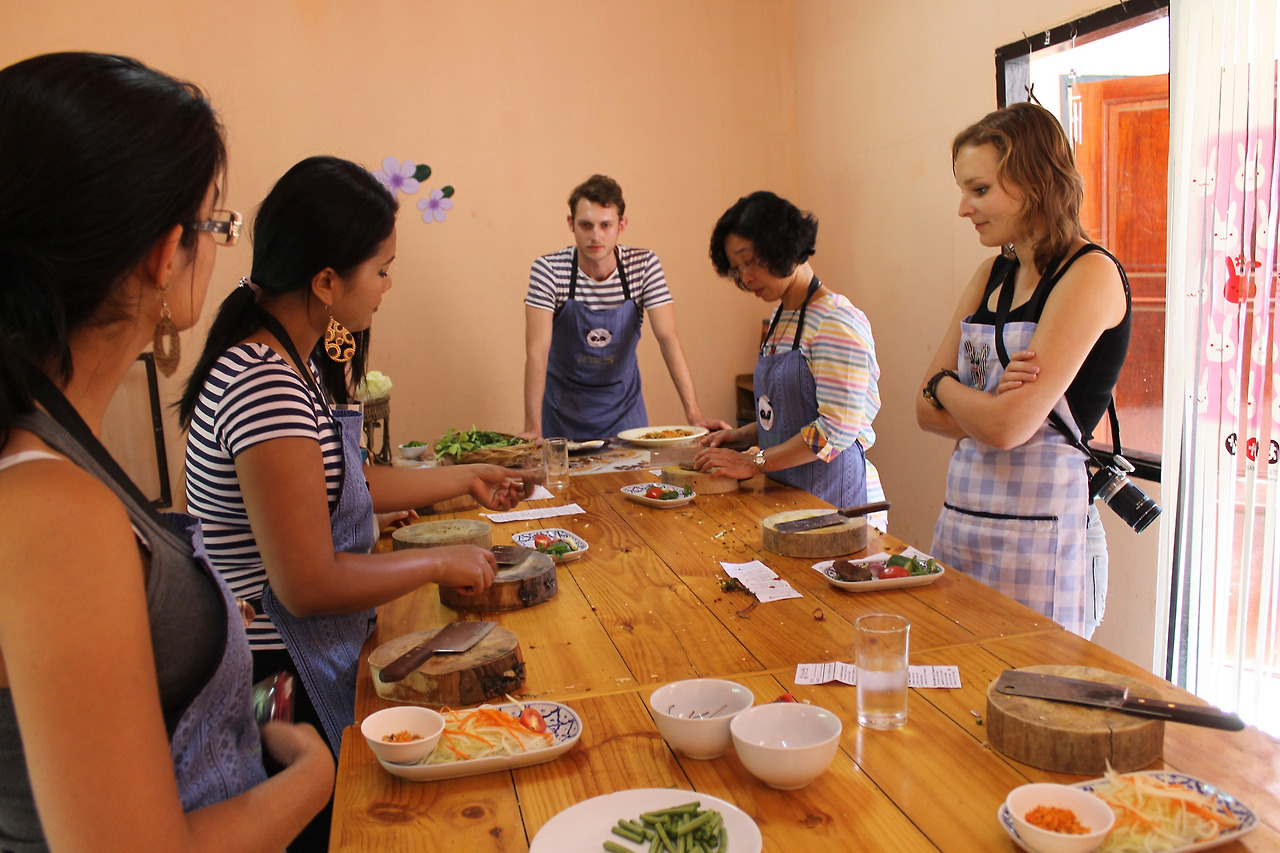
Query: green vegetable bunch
[
  {"x": 674, "y": 830},
  {"x": 454, "y": 443},
  {"x": 914, "y": 566}
]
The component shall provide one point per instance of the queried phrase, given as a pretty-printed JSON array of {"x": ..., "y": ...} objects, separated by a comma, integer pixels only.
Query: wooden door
[{"x": 1121, "y": 134}]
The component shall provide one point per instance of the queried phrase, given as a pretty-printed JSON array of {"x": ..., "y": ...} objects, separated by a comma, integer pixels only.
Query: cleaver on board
[
  {"x": 453, "y": 638},
  {"x": 1077, "y": 691},
  {"x": 832, "y": 518}
]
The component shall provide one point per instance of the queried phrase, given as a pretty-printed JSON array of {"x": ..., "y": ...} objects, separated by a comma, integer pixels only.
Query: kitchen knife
[
  {"x": 510, "y": 555},
  {"x": 451, "y": 639},
  {"x": 831, "y": 519},
  {"x": 1056, "y": 688}
]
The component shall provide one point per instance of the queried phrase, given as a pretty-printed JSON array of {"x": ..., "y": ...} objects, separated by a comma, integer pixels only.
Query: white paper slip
[
  {"x": 531, "y": 514},
  {"x": 919, "y": 677},
  {"x": 762, "y": 581}
]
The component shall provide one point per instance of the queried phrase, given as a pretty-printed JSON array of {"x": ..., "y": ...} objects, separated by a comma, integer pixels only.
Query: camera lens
[{"x": 1135, "y": 508}]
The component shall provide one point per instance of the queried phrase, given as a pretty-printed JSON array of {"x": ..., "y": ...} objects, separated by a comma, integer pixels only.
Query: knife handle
[
  {"x": 399, "y": 668},
  {"x": 867, "y": 509},
  {"x": 1178, "y": 712}
]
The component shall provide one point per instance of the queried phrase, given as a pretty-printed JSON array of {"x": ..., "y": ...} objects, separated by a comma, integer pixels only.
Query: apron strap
[
  {"x": 777, "y": 315},
  {"x": 622, "y": 275}
]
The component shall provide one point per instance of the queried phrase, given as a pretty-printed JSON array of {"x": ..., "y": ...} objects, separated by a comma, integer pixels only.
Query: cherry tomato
[
  {"x": 541, "y": 541},
  {"x": 785, "y": 697},
  {"x": 532, "y": 720},
  {"x": 894, "y": 572},
  {"x": 655, "y": 492}
]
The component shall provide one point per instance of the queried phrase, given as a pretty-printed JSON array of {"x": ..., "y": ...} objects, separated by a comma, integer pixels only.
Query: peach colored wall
[
  {"x": 881, "y": 89},
  {"x": 688, "y": 105}
]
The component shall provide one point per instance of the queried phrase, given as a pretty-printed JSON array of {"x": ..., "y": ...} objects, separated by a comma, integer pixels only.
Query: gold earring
[
  {"x": 338, "y": 343},
  {"x": 166, "y": 345}
]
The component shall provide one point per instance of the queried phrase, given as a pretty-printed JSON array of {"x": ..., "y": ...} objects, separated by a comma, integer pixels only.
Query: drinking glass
[
  {"x": 556, "y": 453},
  {"x": 880, "y": 644}
]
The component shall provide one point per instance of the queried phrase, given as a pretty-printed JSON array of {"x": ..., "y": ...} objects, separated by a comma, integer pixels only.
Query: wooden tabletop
[{"x": 643, "y": 607}]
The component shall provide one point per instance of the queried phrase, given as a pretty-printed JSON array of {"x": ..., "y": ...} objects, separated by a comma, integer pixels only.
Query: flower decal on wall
[
  {"x": 405, "y": 176},
  {"x": 434, "y": 208}
]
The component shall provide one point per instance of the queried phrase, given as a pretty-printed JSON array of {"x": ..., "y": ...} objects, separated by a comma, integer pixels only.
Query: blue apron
[
  {"x": 787, "y": 402},
  {"x": 593, "y": 378}
]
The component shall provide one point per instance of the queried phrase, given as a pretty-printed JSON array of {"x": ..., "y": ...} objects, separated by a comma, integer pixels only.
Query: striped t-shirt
[
  {"x": 837, "y": 344},
  {"x": 252, "y": 395},
  {"x": 549, "y": 282}
]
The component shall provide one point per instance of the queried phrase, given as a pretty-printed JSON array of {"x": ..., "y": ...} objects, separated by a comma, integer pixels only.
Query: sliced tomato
[
  {"x": 655, "y": 492},
  {"x": 541, "y": 541},
  {"x": 785, "y": 697},
  {"x": 532, "y": 719},
  {"x": 894, "y": 572}
]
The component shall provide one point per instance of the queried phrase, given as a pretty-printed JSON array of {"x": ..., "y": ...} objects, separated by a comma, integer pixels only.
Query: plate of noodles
[
  {"x": 662, "y": 436},
  {"x": 491, "y": 737}
]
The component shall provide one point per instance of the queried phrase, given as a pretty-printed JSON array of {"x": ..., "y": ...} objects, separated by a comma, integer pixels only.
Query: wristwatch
[
  {"x": 759, "y": 460},
  {"x": 931, "y": 387}
]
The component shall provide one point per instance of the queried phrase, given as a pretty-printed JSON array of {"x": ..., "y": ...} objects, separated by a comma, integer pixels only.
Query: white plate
[
  {"x": 636, "y": 493},
  {"x": 564, "y": 725},
  {"x": 876, "y": 584},
  {"x": 634, "y": 435},
  {"x": 579, "y": 544},
  {"x": 585, "y": 826},
  {"x": 583, "y": 446},
  {"x": 1248, "y": 820}
]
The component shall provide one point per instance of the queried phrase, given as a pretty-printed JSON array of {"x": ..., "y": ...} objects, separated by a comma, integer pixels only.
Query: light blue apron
[
  {"x": 593, "y": 378},
  {"x": 786, "y": 402}
]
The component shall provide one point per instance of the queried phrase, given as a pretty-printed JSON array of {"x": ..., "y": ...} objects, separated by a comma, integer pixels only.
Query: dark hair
[
  {"x": 598, "y": 189},
  {"x": 100, "y": 156},
  {"x": 323, "y": 213},
  {"x": 782, "y": 235},
  {"x": 1035, "y": 158}
]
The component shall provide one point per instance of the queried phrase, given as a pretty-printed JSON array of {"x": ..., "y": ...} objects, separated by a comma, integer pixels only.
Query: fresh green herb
[
  {"x": 454, "y": 443},
  {"x": 415, "y": 444}
]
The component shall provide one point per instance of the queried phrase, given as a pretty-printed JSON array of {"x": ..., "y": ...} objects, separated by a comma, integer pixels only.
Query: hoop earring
[
  {"x": 165, "y": 344},
  {"x": 339, "y": 345}
]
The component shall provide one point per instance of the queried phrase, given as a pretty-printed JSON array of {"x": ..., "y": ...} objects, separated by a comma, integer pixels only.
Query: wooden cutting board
[
  {"x": 530, "y": 581},
  {"x": 700, "y": 483},
  {"x": 448, "y": 531},
  {"x": 847, "y": 537},
  {"x": 1069, "y": 738},
  {"x": 488, "y": 670}
]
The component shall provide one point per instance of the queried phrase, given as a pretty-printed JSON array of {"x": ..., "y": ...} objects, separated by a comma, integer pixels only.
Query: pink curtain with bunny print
[{"x": 1222, "y": 396}]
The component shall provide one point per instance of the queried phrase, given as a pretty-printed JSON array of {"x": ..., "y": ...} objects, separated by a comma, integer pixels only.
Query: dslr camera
[{"x": 1111, "y": 483}]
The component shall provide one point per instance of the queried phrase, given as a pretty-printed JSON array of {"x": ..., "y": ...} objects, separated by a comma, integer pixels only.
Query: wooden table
[{"x": 643, "y": 608}]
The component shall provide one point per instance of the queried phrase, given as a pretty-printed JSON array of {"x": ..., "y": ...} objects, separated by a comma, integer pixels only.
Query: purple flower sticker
[
  {"x": 434, "y": 208},
  {"x": 397, "y": 176}
]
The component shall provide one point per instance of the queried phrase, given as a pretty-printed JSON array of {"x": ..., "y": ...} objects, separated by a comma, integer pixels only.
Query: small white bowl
[
  {"x": 1090, "y": 811},
  {"x": 786, "y": 745},
  {"x": 411, "y": 718},
  {"x": 415, "y": 452},
  {"x": 694, "y": 715}
]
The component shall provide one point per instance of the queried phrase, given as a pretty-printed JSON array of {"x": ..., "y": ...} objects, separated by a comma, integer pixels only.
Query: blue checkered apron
[{"x": 1015, "y": 519}]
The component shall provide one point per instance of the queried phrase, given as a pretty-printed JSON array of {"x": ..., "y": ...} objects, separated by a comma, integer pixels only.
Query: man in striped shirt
[{"x": 583, "y": 315}]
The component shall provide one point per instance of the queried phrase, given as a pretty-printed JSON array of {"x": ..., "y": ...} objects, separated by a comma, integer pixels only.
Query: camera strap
[{"x": 1004, "y": 303}]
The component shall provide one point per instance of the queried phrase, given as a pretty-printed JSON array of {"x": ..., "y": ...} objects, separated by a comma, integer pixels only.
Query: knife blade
[
  {"x": 833, "y": 518},
  {"x": 510, "y": 555},
  {"x": 1057, "y": 688},
  {"x": 453, "y": 638}
]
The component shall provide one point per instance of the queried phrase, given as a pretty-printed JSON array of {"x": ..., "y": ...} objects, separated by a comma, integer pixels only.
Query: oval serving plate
[
  {"x": 585, "y": 825},
  {"x": 636, "y": 493},
  {"x": 580, "y": 546},
  {"x": 564, "y": 725},
  {"x": 636, "y": 436},
  {"x": 1241, "y": 812},
  {"x": 876, "y": 585}
]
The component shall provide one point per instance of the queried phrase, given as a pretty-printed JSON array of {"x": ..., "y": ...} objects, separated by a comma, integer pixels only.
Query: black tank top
[{"x": 1090, "y": 391}]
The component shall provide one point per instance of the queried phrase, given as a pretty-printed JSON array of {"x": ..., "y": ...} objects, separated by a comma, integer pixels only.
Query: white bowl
[
  {"x": 694, "y": 715},
  {"x": 416, "y": 452},
  {"x": 1090, "y": 811},
  {"x": 410, "y": 718},
  {"x": 786, "y": 745}
]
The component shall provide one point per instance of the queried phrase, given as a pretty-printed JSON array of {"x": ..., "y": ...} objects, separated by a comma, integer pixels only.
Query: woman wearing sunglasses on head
[{"x": 125, "y": 717}]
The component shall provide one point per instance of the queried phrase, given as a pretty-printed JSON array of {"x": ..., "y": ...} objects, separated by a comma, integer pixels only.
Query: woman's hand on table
[
  {"x": 721, "y": 436},
  {"x": 713, "y": 424},
  {"x": 493, "y": 487},
  {"x": 393, "y": 520},
  {"x": 467, "y": 568},
  {"x": 725, "y": 463},
  {"x": 1019, "y": 371}
]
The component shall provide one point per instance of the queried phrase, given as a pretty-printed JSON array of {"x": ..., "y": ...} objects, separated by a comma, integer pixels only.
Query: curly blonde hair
[{"x": 1036, "y": 159}]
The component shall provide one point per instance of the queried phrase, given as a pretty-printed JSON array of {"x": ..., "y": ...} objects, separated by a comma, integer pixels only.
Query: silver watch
[{"x": 759, "y": 460}]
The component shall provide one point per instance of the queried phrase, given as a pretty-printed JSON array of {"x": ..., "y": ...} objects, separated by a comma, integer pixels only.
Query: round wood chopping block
[
  {"x": 530, "y": 581},
  {"x": 700, "y": 483},
  {"x": 847, "y": 537},
  {"x": 487, "y": 670},
  {"x": 448, "y": 531},
  {"x": 1074, "y": 738}
]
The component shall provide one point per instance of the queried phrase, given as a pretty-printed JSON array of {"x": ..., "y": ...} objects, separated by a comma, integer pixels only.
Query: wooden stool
[{"x": 377, "y": 415}]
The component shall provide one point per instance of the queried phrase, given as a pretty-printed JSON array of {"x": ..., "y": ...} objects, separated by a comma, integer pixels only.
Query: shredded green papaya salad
[{"x": 1154, "y": 816}]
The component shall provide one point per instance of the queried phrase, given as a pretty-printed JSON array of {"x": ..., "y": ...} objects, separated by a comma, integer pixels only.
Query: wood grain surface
[{"x": 644, "y": 607}]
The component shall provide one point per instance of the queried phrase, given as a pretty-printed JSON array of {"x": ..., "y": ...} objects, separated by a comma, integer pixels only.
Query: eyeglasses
[
  {"x": 736, "y": 273},
  {"x": 225, "y": 227}
]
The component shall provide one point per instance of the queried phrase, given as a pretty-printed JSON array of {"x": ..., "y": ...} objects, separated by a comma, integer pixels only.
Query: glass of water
[{"x": 880, "y": 646}]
